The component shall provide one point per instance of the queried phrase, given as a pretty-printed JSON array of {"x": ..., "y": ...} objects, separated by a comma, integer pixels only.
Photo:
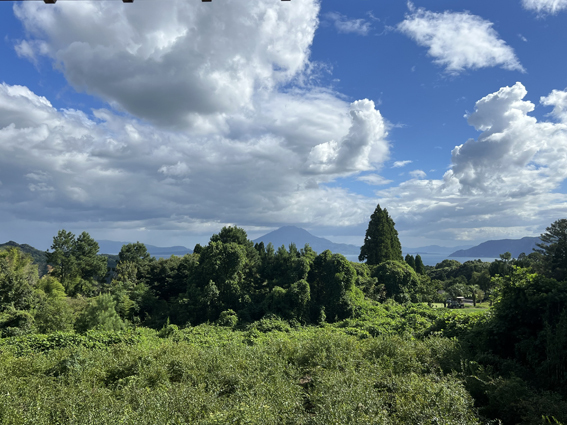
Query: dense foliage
[{"x": 244, "y": 333}]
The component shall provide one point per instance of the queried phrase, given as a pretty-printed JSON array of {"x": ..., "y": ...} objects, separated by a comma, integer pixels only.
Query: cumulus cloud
[
  {"x": 361, "y": 149},
  {"x": 180, "y": 64},
  {"x": 459, "y": 41},
  {"x": 67, "y": 166},
  {"x": 345, "y": 25},
  {"x": 399, "y": 164},
  {"x": 545, "y": 6},
  {"x": 502, "y": 184},
  {"x": 557, "y": 99}
]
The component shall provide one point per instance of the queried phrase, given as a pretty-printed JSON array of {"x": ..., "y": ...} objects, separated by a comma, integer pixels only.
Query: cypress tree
[
  {"x": 419, "y": 267},
  {"x": 381, "y": 242},
  {"x": 410, "y": 260}
]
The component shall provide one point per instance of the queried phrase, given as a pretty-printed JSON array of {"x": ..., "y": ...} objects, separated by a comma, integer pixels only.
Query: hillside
[
  {"x": 37, "y": 255},
  {"x": 497, "y": 247},
  {"x": 291, "y": 234}
]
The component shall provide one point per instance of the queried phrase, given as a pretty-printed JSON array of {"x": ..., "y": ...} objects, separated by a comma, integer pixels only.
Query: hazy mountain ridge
[
  {"x": 114, "y": 247},
  {"x": 434, "y": 249},
  {"x": 291, "y": 234},
  {"x": 496, "y": 247}
]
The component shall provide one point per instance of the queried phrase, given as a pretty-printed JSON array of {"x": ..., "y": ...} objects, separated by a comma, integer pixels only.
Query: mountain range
[
  {"x": 113, "y": 247},
  {"x": 497, "y": 247},
  {"x": 291, "y": 234}
]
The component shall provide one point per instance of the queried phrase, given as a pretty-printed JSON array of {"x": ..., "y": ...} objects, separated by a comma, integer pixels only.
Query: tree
[
  {"x": 76, "y": 262},
  {"x": 399, "y": 278},
  {"x": 18, "y": 276},
  {"x": 135, "y": 253},
  {"x": 381, "y": 242},
  {"x": 410, "y": 260},
  {"x": 554, "y": 250},
  {"x": 419, "y": 267},
  {"x": 331, "y": 281},
  {"x": 100, "y": 314}
]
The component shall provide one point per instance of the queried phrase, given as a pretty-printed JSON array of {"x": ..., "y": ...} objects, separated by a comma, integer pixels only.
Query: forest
[{"x": 244, "y": 333}]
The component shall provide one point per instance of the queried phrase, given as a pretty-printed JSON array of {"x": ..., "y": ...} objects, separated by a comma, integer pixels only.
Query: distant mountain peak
[{"x": 287, "y": 235}]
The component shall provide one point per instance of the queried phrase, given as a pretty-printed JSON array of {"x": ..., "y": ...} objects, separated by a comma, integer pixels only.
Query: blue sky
[{"x": 164, "y": 121}]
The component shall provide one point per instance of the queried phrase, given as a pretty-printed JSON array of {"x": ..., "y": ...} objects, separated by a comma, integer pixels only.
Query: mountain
[
  {"x": 495, "y": 248},
  {"x": 291, "y": 234},
  {"x": 434, "y": 249},
  {"x": 37, "y": 255},
  {"x": 113, "y": 247}
]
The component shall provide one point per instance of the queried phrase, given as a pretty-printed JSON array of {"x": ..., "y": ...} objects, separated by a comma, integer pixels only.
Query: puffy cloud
[
  {"x": 364, "y": 146},
  {"x": 399, "y": 164},
  {"x": 557, "y": 99},
  {"x": 345, "y": 25},
  {"x": 459, "y": 41},
  {"x": 182, "y": 63},
  {"x": 545, "y": 6},
  {"x": 504, "y": 184}
]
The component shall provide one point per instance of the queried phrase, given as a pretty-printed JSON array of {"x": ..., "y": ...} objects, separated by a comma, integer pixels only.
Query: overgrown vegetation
[{"x": 244, "y": 333}]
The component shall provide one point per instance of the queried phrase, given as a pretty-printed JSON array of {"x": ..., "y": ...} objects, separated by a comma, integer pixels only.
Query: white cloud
[
  {"x": 399, "y": 164},
  {"x": 361, "y": 149},
  {"x": 374, "y": 179},
  {"x": 557, "y": 99},
  {"x": 181, "y": 64},
  {"x": 504, "y": 184},
  {"x": 545, "y": 6},
  {"x": 459, "y": 41},
  {"x": 65, "y": 166},
  {"x": 418, "y": 174},
  {"x": 345, "y": 25}
]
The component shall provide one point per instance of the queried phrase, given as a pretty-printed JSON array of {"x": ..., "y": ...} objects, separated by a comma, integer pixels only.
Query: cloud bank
[
  {"x": 502, "y": 184},
  {"x": 221, "y": 126}
]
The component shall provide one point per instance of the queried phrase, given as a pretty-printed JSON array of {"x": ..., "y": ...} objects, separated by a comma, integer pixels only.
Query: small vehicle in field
[{"x": 458, "y": 302}]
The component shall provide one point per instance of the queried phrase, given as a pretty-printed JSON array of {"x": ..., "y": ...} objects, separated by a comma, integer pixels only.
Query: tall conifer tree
[
  {"x": 410, "y": 260},
  {"x": 381, "y": 242},
  {"x": 419, "y": 266}
]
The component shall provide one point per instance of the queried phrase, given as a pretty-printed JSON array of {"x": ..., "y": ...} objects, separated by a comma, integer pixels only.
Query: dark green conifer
[
  {"x": 419, "y": 267},
  {"x": 410, "y": 260},
  {"x": 381, "y": 242}
]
